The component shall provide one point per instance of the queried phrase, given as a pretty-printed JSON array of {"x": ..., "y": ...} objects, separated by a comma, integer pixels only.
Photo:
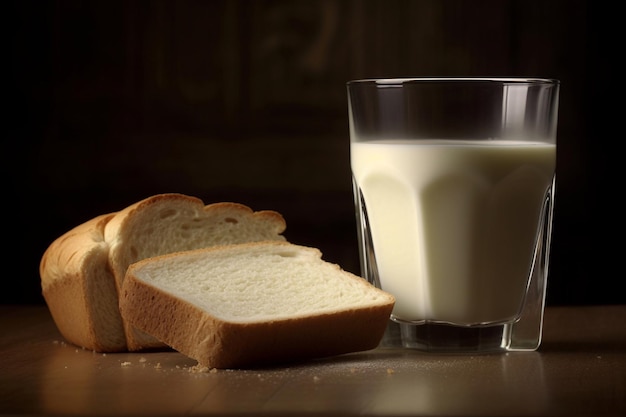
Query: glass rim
[{"x": 415, "y": 80}]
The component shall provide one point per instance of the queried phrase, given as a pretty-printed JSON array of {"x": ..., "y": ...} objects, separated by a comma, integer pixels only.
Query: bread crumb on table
[{"x": 196, "y": 369}]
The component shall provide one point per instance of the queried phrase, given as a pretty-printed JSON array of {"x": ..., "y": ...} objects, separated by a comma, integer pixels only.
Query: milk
[{"x": 454, "y": 223}]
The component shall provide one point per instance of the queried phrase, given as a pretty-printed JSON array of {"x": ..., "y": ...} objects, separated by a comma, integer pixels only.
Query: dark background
[{"x": 112, "y": 101}]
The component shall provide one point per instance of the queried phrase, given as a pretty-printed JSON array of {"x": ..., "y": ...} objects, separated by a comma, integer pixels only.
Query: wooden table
[{"x": 580, "y": 370}]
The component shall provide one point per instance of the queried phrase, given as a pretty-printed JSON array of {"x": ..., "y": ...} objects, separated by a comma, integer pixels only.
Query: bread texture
[
  {"x": 82, "y": 271},
  {"x": 247, "y": 305}
]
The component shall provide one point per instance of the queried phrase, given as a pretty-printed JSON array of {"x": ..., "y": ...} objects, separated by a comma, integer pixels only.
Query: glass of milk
[{"x": 454, "y": 182}]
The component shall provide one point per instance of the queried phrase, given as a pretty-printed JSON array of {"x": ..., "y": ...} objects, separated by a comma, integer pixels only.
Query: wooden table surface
[{"x": 580, "y": 370}]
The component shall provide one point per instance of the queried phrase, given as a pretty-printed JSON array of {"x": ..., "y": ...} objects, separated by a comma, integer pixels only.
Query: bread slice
[
  {"x": 252, "y": 304},
  {"x": 83, "y": 270}
]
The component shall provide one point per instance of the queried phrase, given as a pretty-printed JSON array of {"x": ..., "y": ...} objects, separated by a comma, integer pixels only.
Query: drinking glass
[{"x": 454, "y": 182}]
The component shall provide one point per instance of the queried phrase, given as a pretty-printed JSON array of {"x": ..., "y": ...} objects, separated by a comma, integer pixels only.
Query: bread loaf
[
  {"x": 83, "y": 270},
  {"x": 251, "y": 304}
]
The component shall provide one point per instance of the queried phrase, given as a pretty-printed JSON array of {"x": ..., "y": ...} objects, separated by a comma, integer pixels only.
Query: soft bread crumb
[{"x": 126, "y": 363}]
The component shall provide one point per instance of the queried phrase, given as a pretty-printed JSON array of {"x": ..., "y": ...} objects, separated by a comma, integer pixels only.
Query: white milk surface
[{"x": 454, "y": 223}]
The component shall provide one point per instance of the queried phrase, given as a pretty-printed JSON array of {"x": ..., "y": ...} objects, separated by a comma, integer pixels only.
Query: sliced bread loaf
[
  {"x": 251, "y": 304},
  {"x": 83, "y": 270}
]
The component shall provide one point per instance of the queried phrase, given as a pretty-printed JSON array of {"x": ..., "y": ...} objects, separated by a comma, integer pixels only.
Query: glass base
[{"x": 446, "y": 338}]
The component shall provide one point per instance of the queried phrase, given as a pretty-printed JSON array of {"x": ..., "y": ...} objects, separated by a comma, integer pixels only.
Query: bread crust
[
  {"x": 217, "y": 343},
  {"x": 80, "y": 290}
]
